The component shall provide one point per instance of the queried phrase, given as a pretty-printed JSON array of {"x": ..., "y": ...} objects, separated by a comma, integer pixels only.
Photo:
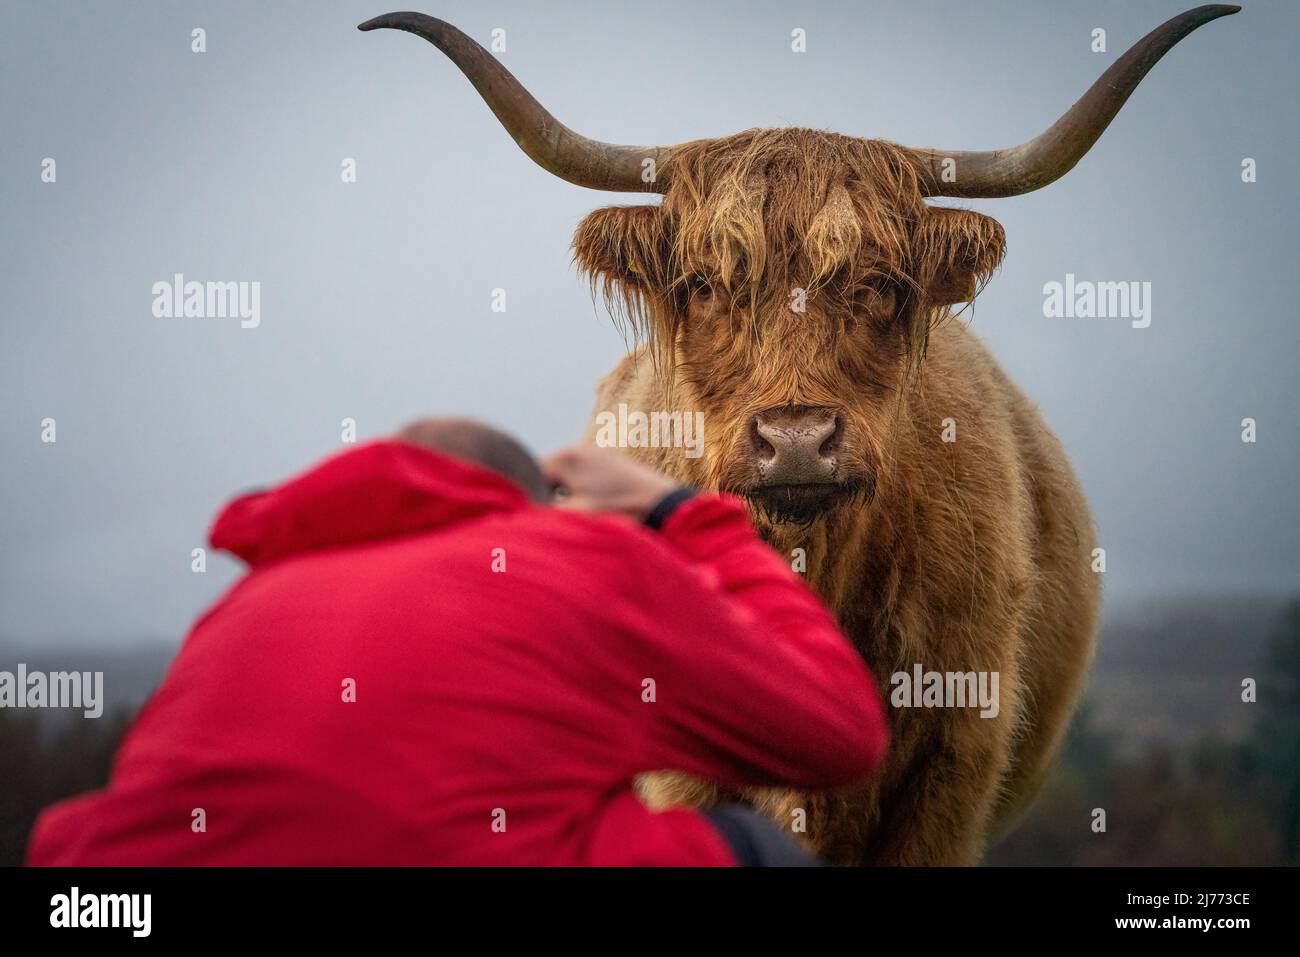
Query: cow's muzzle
[{"x": 795, "y": 452}]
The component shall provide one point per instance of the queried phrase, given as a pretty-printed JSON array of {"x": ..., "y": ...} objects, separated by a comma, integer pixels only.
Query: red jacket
[{"x": 500, "y": 653}]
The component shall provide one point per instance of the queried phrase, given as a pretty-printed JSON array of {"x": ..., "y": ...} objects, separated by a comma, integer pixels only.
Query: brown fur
[{"x": 962, "y": 556}]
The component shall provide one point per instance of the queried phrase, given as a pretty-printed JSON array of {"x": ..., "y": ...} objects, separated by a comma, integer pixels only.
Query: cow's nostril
[
  {"x": 832, "y": 443},
  {"x": 761, "y": 446}
]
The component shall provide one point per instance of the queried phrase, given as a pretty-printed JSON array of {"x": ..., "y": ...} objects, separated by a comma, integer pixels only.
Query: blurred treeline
[
  {"x": 1224, "y": 791},
  {"x": 1207, "y": 802},
  {"x": 40, "y": 764}
]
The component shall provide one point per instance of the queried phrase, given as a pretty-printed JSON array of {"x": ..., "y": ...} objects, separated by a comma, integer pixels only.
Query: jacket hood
[{"x": 375, "y": 491}]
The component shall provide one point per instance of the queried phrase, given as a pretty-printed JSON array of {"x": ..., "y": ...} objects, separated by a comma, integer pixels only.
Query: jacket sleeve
[{"x": 761, "y": 687}]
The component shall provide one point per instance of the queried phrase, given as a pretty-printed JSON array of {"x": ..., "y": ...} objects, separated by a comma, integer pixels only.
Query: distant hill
[{"x": 1170, "y": 669}]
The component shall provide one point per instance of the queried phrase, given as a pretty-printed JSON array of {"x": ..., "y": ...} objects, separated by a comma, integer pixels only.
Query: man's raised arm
[{"x": 755, "y": 683}]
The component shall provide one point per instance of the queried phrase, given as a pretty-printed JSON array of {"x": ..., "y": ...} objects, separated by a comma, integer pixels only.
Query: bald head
[{"x": 483, "y": 445}]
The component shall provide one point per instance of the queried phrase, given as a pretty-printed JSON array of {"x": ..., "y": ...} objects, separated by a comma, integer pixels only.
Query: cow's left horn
[
  {"x": 1053, "y": 153},
  {"x": 547, "y": 141}
]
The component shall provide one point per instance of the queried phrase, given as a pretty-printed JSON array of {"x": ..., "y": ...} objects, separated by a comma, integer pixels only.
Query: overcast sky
[{"x": 376, "y": 295}]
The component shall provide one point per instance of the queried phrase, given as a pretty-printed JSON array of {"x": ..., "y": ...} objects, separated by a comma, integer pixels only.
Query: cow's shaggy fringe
[{"x": 848, "y": 209}]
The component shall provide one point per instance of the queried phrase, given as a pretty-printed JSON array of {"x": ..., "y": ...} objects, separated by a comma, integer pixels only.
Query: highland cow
[{"x": 795, "y": 286}]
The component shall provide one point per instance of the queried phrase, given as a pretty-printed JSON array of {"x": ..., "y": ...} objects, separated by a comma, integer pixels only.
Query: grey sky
[{"x": 376, "y": 295}]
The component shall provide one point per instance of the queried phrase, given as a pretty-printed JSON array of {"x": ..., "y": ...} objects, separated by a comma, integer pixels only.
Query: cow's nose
[{"x": 795, "y": 445}]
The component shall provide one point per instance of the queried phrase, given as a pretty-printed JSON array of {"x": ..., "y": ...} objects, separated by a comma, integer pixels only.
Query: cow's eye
[{"x": 700, "y": 288}]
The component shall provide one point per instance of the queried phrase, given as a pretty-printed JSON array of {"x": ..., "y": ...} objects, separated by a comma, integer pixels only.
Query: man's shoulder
[{"x": 582, "y": 541}]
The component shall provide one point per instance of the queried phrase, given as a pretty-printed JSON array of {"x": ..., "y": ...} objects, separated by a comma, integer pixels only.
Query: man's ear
[
  {"x": 624, "y": 248},
  {"x": 956, "y": 250}
]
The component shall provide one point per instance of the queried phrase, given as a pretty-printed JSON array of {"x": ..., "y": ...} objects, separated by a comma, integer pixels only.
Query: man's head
[{"x": 483, "y": 445}]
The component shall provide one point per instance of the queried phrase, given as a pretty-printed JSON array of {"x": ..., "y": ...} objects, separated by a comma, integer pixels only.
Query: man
[{"x": 426, "y": 664}]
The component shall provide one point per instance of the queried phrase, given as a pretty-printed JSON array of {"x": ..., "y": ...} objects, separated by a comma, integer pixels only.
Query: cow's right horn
[
  {"x": 1053, "y": 153},
  {"x": 548, "y": 142}
]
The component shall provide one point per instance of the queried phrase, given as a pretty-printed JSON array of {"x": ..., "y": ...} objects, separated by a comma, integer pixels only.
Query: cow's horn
[
  {"x": 550, "y": 144},
  {"x": 1053, "y": 153}
]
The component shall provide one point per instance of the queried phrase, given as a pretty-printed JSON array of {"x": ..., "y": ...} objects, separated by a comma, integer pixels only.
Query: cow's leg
[
  {"x": 940, "y": 792},
  {"x": 812, "y": 819},
  {"x": 664, "y": 789},
  {"x": 1058, "y": 636},
  {"x": 1057, "y": 659}
]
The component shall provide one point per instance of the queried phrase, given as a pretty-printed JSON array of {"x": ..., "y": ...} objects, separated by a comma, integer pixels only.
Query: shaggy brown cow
[{"x": 794, "y": 285}]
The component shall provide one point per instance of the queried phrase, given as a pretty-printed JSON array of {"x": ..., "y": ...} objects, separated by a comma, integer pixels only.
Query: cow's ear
[
  {"x": 625, "y": 246},
  {"x": 956, "y": 250}
]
